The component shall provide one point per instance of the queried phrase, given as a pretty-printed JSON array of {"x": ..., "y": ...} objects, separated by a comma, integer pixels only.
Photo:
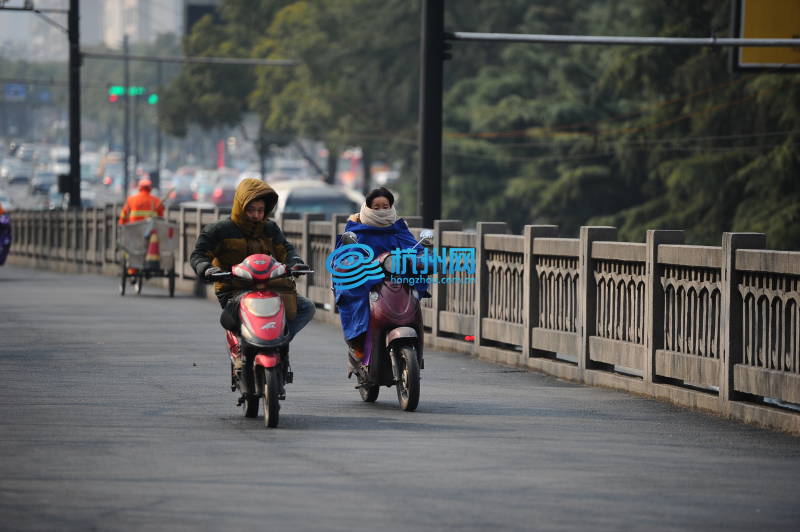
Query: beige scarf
[{"x": 377, "y": 218}]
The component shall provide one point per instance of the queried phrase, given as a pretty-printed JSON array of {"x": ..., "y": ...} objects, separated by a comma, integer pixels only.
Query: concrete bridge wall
[{"x": 715, "y": 328}]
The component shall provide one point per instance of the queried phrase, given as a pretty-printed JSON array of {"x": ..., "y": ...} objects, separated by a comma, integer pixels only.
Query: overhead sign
[
  {"x": 768, "y": 19},
  {"x": 15, "y": 92}
]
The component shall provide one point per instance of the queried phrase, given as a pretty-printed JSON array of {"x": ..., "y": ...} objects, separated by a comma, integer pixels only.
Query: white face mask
[{"x": 377, "y": 217}]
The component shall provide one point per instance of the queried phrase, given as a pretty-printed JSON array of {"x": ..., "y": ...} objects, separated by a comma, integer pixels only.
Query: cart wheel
[
  {"x": 139, "y": 283},
  {"x": 171, "y": 283},
  {"x": 123, "y": 280}
]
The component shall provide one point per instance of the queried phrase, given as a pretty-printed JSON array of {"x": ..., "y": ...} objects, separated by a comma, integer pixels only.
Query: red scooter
[
  {"x": 259, "y": 343},
  {"x": 393, "y": 346}
]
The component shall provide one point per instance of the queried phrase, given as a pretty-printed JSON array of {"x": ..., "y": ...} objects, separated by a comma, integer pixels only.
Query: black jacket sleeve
[
  {"x": 204, "y": 248},
  {"x": 281, "y": 244}
]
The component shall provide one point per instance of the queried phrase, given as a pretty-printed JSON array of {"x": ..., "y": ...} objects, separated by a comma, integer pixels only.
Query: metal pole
[
  {"x": 429, "y": 191},
  {"x": 158, "y": 126},
  {"x": 651, "y": 41},
  {"x": 135, "y": 132},
  {"x": 73, "y": 32},
  {"x": 126, "y": 126}
]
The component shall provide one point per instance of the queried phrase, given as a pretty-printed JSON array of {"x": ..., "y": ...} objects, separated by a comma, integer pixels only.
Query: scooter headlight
[{"x": 262, "y": 307}]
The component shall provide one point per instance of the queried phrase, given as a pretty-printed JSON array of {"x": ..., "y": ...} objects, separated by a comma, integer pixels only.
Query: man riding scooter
[{"x": 228, "y": 242}]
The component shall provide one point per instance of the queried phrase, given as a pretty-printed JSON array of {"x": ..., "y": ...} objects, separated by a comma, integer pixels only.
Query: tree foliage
[{"x": 638, "y": 137}]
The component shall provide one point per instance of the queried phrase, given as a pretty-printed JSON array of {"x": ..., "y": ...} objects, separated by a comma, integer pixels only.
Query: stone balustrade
[{"x": 709, "y": 327}]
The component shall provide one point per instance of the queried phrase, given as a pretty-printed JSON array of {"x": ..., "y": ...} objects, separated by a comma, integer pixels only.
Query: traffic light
[{"x": 115, "y": 92}]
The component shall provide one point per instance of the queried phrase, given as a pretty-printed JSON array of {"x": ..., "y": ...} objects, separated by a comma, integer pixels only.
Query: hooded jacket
[{"x": 229, "y": 241}]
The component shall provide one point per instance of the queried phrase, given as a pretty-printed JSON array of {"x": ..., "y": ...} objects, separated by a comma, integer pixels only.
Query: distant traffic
[{"x": 29, "y": 180}]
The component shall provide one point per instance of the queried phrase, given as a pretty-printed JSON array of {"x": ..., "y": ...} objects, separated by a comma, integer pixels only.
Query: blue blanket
[{"x": 353, "y": 303}]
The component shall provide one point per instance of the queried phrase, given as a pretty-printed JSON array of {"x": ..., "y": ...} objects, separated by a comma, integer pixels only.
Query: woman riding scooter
[{"x": 377, "y": 226}]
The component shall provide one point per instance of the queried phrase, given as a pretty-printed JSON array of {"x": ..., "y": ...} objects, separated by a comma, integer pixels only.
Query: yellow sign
[{"x": 769, "y": 19}]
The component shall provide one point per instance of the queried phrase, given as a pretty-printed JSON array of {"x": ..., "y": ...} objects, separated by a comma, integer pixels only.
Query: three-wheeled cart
[{"x": 135, "y": 241}]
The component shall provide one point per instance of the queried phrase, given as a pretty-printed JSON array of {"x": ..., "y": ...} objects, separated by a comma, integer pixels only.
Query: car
[
  {"x": 203, "y": 185},
  {"x": 286, "y": 169},
  {"x": 15, "y": 172},
  {"x": 177, "y": 190},
  {"x": 59, "y": 160},
  {"x": 223, "y": 193},
  {"x": 42, "y": 181},
  {"x": 314, "y": 196},
  {"x": 19, "y": 179}
]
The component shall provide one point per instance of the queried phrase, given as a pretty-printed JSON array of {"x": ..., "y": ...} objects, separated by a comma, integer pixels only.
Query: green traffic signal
[
  {"x": 119, "y": 90},
  {"x": 115, "y": 91}
]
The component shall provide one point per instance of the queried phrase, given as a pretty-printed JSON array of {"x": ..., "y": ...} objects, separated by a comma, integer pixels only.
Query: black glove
[
  {"x": 299, "y": 267},
  {"x": 211, "y": 271}
]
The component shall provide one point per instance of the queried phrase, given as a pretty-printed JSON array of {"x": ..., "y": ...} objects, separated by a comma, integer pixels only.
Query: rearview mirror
[
  {"x": 426, "y": 238},
  {"x": 349, "y": 238}
]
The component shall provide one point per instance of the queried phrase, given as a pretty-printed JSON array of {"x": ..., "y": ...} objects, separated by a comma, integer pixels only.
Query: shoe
[{"x": 354, "y": 358}]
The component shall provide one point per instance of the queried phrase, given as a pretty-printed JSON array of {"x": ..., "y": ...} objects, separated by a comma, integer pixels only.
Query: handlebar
[{"x": 226, "y": 276}]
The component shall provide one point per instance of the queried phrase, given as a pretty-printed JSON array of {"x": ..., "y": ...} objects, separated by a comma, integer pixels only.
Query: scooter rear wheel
[
  {"x": 272, "y": 404},
  {"x": 123, "y": 275},
  {"x": 369, "y": 393}
]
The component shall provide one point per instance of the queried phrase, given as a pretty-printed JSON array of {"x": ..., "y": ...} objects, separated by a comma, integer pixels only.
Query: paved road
[{"x": 114, "y": 415}]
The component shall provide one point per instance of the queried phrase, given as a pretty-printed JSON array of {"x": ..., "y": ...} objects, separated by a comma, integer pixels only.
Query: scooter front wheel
[
  {"x": 408, "y": 386},
  {"x": 271, "y": 397}
]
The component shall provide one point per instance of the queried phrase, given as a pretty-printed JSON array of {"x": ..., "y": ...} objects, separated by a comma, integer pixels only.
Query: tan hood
[{"x": 247, "y": 191}]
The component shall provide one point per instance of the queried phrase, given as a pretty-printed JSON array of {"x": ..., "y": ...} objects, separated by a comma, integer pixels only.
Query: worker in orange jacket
[
  {"x": 139, "y": 207},
  {"x": 142, "y": 205}
]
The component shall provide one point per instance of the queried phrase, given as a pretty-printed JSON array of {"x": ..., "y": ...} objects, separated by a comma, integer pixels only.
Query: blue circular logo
[{"x": 352, "y": 265}]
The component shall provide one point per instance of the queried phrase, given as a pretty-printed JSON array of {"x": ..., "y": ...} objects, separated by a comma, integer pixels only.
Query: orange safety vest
[{"x": 140, "y": 207}]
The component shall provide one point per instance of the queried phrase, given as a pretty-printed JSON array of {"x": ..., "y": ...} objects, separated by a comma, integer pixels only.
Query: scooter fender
[
  {"x": 266, "y": 360},
  {"x": 400, "y": 333}
]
